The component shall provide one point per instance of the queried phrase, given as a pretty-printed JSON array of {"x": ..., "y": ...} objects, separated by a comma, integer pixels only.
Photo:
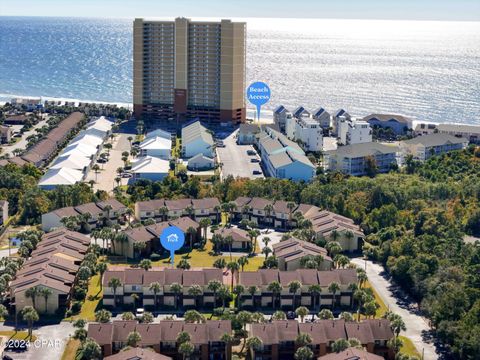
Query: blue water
[{"x": 426, "y": 70}]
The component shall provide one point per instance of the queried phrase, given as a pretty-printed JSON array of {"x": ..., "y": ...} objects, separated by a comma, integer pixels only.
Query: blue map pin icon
[
  {"x": 258, "y": 94},
  {"x": 172, "y": 239}
]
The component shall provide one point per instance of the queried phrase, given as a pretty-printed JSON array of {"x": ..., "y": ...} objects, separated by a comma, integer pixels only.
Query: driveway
[
  {"x": 418, "y": 329},
  {"x": 105, "y": 180},
  {"x": 50, "y": 344},
  {"x": 22, "y": 143},
  {"x": 7, "y": 253},
  {"x": 236, "y": 161}
]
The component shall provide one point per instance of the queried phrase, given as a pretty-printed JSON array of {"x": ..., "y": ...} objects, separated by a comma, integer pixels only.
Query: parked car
[
  {"x": 139, "y": 313},
  {"x": 126, "y": 175},
  {"x": 254, "y": 160},
  {"x": 101, "y": 160},
  {"x": 257, "y": 172},
  {"x": 251, "y": 152},
  {"x": 291, "y": 315}
]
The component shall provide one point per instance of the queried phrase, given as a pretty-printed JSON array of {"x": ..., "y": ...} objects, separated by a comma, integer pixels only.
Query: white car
[{"x": 139, "y": 313}]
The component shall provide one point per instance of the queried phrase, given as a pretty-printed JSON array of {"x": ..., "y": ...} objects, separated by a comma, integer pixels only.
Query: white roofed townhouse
[
  {"x": 61, "y": 176},
  {"x": 470, "y": 132},
  {"x": 159, "y": 133},
  {"x": 200, "y": 162},
  {"x": 72, "y": 161},
  {"x": 156, "y": 146},
  {"x": 197, "y": 139},
  {"x": 150, "y": 168},
  {"x": 426, "y": 146},
  {"x": 246, "y": 134},
  {"x": 354, "y": 159}
]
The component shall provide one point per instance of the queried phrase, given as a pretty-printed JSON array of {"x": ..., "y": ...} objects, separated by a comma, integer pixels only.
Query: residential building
[
  {"x": 157, "y": 146},
  {"x": 196, "y": 139},
  {"x": 5, "y": 134},
  {"x": 138, "y": 353},
  {"x": 300, "y": 112},
  {"x": 28, "y": 104},
  {"x": 322, "y": 117},
  {"x": 150, "y": 168},
  {"x": 470, "y": 132},
  {"x": 52, "y": 265},
  {"x": 426, "y": 146},
  {"x": 144, "y": 240},
  {"x": 240, "y": 239},
  {"x": 162, "y": 337},
  {"x": 200, "y": 162},
  {"x": 111, "y": 210},
  {"x": 338, "y": 116},
  {"x": 397, "y": 123},
  {"x": 246, "y": 134},
  {"x": 137, "y": 281},
  {"x": 185, "y": 69},
  {"x": 280, "y": 116},
  {"x": 358, "y": 159},
  {"x": 425, "y": 129},
  {"x": 309, "y": 133},
  {"x": 60, "y": 176},
  {"x": 42, "y": 153},
  {"x": 3, "y": 212},
  {"x": 353, "y": 132},
  {"x": 279, "y": 338},
  {"x": 283, "y": 158},
  {"x": 16, "y": 119},
  {"x": 159, "y": 133},
  {"x": 264, "y": 298},
  {"x": 289, "y": 254},
  {"x": 351, "y": 353}
]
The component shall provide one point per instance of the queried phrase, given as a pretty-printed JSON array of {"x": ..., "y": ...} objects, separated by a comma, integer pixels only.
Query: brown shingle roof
[
  {"x": 114, "y": 203},
  {"x": 150, "y": 205},
  {"x": 334, "y": 329},
  {"x": 90, "y": 208},
  {"x": 101, "y": 333},
  {"x": 360, "y": 331},
  {"x": 381, "y": 329},
  {"x": 238, "y": 235},
  {"x": 351, "y": 354},
  {"x": 315, "y": 330},
  {"x": 138, "y": 354},
  {"x": 259, "y": 203},
  {"x": 206, "y": 203},
  {"x": 179, "y": 204},
  {"x": 241, "y": 202}
]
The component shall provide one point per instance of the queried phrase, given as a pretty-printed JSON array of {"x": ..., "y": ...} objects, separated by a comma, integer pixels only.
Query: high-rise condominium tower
[{"x": 184, "y": 69}]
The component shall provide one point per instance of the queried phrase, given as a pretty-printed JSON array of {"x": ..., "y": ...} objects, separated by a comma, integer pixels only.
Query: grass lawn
[
  {"x": 408, "y": 348},
  {"x": 17, "y": 335},
  {"x": 90, "y": 306},
  {"x": 71, "y": 350},
  {"x": 383, "y": 308}
]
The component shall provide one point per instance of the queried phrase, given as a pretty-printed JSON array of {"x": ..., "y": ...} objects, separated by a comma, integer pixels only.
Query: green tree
[
  {"x": 30, "y": 315},
  {"x": 133, "y": 338},
  {"x": 303, "y": 353}
]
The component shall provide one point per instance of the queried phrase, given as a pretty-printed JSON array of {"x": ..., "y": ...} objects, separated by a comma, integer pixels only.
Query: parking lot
[{"x": 236, "y": 161}]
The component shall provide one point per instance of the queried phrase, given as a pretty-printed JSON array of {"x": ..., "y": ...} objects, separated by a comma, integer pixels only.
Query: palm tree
[
  {"x": 228, "y": 340},
  {"x": 204, "y": 224},
  {"x": 191, "y": 231},
  {"x": 30, "y": 315},
  {"x": 214, "y": 286},
  {"x": 352, "y": 287},
  {"x": 302, "y": 311},
  {"x": 325, "y": 314},
  {"x": 217, "y": 209},
  {"x": 238, "y": 290},
  {"x": 276, "y": 289},
  {"x": 293, "y": 287},
  {"x": 315, "y": 291},
  {"x": 46, "y": 292},
  {"x": 349, "y": 235},
  {"x": 233, "y": 267},
  {"x": 290, "y": 206},
  {"x": 90, "y": 350},
  {"x": 228, "y": 240},
  {"x": 133, "y": 338},
  {"x": 347, "y": 316},
  {"x": 135, "y": 298},
  {"x": 130, "y": 138},
  {"x": 176, "y": 288},
  {"x": 155, "y": 287},
  {"x": 186, "y": 349},
  {"x": 145, "y": 264},
  {"x": 33, "y": 293},
  {"x": 129, "y": 213},
  {"x": 114, "y": 283},
  {"x": 333, "y": 288},
  {"x": 303, "y": 353},
  {"x": 183, "y": 337},
  {"x": 303, "y": 339},
  {"x": 163, "y": 212},
  {"x": 362, "y": 277},
  {"x": 101, "y": 268},
  {"x": 252, "y": 290},
  {"x": 397, "y": 324},
  {"x": 242, "y": 261},
  {"x": 195, "y": 291},
  {"x": 224, "y": 294},
  {"x": 253, "y": 343},
  {"x": 96, "y": 169},
  {"x": 268, "y": 211},
  {"x": 121, "y": 238}
]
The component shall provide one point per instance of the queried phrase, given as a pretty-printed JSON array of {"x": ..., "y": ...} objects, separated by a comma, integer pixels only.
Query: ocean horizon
[{"x": 427, "y": 70}]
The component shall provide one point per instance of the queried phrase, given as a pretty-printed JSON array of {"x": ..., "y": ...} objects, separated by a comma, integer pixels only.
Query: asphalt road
[
  {"x": 22, "y": 143},
  {"x": 418, "y": 329},
  {"x": 236, "y": 161}
]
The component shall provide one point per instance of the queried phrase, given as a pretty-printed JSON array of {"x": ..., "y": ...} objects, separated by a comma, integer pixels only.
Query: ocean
[{"x": 429, "y": 71}]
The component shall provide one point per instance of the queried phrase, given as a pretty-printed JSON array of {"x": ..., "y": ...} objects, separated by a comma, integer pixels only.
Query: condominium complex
[{"x": 184, "y": 69}]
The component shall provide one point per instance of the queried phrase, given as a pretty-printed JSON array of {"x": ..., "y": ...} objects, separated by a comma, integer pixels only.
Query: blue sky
[{"x": 356, "y": 9}]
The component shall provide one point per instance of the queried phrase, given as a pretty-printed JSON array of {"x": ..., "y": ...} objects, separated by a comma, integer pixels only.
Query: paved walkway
[
  {"x": 418, "y": 329},
  {"x": 22, "y": 143}
]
